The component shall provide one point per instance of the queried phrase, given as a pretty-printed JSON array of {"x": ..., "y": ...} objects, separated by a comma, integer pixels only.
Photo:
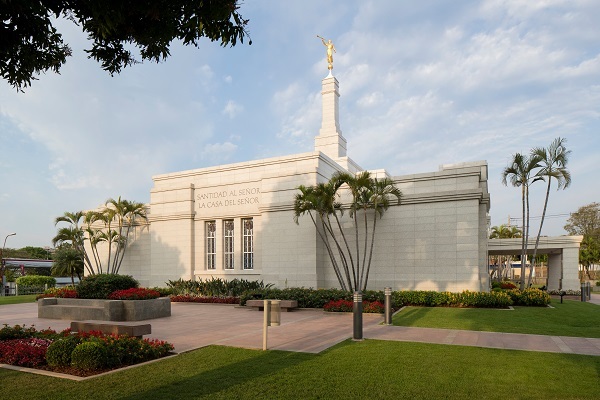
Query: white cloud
[{"x": 232, "y": 109}]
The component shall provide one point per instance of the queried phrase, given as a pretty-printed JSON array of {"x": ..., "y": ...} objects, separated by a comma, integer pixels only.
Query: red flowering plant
[
  {"x": 347, "y": 306},
  {"x": 29, "y": 352},
  {"x": 134, "y": 294},
  {"x": 65, "y": 292}
]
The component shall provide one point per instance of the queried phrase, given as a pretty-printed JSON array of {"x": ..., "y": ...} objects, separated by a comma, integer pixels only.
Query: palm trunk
[
  {"x": 362, "y": 272},
  {"x": 340, "y": 251},
  {"x": 348, "y": 248},
  {"x": 523, "y": 266},
  {"x": 537, "y": 239},
  {"x": 331, "y": 255},
  {"x": 356, "y": 278},
  {"x": 523, "y": 241},
  {"x": 124, "y": 247},
  {"x": 371, "y": 251}
]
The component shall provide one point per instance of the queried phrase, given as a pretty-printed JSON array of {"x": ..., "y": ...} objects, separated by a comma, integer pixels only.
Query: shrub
[
  {"x": 17, "y": 332},
  {"x": 90, "y": 355},
  {"x": 197, "y": 299},
  {"x": 566, "y": 292},
  {"x": 59, "y": 352},
  {"x": 494, "y": 299},
  {"x": 100, "y": 286},
  {"x": 529, "y": 297},
  {"x": 134, "y": 294},
  {"x": 126, "y": 350},
  {"x": 216, "y": 287},
  {"x": 36, "y": 280},
  {"x": 29, "y": 352},
  {"x": 309, "y": 297},
  {"x": 164, "y": 292}
]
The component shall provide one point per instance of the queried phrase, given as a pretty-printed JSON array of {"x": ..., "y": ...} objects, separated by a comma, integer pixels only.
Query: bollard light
[
  {"x": 388, "y": 305},
  {"x": 275, "y": 318},
  {"x": 357, "y": 311}
]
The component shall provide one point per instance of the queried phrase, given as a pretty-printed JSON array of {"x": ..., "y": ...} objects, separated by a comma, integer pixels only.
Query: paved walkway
[{"x": 196, "y": 325}]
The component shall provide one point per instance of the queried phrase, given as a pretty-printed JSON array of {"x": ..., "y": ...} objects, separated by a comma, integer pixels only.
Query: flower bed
[
  {"x": 347, "y": 306},
  {"x": 134, "y": 294},
  {"x": 81, "y": 354}
]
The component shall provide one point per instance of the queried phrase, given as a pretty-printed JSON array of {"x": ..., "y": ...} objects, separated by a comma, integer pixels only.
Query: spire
[{"x": 330, "y": 140}]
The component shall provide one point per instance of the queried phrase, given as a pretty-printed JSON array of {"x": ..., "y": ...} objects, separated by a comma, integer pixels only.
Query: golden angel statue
[{"x": 330, "y": 51}]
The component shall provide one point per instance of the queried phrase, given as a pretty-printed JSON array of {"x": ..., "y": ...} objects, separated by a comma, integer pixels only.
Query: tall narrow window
[
  {"x": 228, "y": 244},
  {"x": 248, "y": 248},
  {"x": 211, "y": 244}
]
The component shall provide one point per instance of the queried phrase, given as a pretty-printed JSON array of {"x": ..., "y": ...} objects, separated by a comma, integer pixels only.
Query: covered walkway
[{"x": 563, "y": 257}]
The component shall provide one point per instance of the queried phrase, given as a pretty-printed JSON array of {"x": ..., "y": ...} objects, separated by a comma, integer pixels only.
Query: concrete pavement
[{"x": 193, "y": 326}]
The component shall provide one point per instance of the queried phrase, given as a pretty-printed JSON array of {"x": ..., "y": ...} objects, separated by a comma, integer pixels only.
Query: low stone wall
[{"x": 103, "y": 310}]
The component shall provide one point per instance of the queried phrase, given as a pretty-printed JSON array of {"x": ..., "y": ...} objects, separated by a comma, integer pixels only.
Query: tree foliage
[
  {"x": 68, "y": 262},
  {"x": 109, "y": 226},
  {"x": 585, "y": 221},
  {"x": 31, "y": 44},
  {"x": 370, "y": 198}
]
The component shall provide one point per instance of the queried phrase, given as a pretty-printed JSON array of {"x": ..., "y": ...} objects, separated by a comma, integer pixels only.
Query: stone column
[
  {"x": 554, "y": 271},
  {"x": 570, "y": 275}
]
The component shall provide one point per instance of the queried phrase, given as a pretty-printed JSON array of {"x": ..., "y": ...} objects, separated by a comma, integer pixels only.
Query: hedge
[{"x": 36, "y": 280}]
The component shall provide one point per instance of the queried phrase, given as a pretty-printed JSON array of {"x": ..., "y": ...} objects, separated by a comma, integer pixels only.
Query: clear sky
[{"x": 422, "y": 84}]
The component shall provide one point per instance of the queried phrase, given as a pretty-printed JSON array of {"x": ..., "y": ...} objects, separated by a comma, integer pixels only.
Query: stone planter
[{"x": 103, "y": 310}]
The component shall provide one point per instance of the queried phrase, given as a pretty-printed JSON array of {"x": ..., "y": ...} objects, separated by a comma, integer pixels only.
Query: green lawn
[
  {"x": 17, "y": 299},
  {"x": 352, "y": 370},
  {"x": 572, "y": 318}
]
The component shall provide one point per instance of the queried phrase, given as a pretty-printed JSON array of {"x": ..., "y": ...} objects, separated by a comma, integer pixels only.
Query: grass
[
  {"x": 572, "y": 318},
  {"x": 351, "y": 370},
  {"x": 29, "y": 298}
]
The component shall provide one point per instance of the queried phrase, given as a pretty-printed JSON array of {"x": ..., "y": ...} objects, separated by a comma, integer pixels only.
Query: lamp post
[{"x": 3, "y": 263}]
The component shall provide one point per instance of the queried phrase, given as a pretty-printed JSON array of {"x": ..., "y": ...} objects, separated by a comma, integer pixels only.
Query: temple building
[{"x": 236, "y": 221}]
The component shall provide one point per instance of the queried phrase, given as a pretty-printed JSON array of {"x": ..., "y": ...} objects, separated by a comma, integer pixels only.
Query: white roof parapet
[{"x": 548, "y": 244}]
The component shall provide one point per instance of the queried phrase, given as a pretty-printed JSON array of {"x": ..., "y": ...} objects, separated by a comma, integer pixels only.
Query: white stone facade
[{"x": 199, "y": 222}]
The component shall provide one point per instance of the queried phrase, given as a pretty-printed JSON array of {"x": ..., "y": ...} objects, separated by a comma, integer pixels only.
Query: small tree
[
  {"x": 553, "y": 163},
  {"x": 68, "y": 262},
  {"x": 370, "y": 198},
  {"x": 520, "y": 174},
  {"x": 111, "y": 224}
]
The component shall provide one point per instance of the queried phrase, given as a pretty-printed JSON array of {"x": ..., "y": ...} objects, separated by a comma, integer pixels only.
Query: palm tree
[
  {"x": 311, "y": 201},
  {"x": 126, "y": 213},
  {"x": 73, "y": 235},
  {"x": 379, "y": 201},
  {"x": 359, "y": 188},
  {"x": 68, "y": 262},
  {"x": 367, "y": 194},
  {"x": 519, "y": 173},
  {"x": 553, "y": 162}
]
